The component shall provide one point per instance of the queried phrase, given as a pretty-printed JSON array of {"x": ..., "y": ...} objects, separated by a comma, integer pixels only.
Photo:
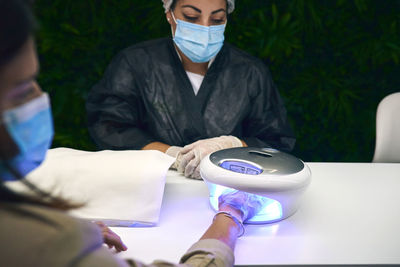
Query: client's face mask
[
  {"x": 199, "y": 43},
  {"x": 31, "y": 128}
]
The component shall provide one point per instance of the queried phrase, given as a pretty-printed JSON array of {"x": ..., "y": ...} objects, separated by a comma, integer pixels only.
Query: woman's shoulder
[
  {"x": 240, "y": 59},
  {"x": 36, "y": 234},
  {"x": 243, "y": 58},
  {"x": 143, "y": 55},
  {"x": 38, "y": 215},
  {"x": 147, "y": 46}
]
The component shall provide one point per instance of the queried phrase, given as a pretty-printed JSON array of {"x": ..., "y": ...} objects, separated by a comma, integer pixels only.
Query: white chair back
[{"x": 387, "y": 145}]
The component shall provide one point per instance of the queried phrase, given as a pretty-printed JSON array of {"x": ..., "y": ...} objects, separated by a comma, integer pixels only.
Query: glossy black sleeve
[
  {"x": 115, "y": 111},
  {"x": 267, "y": 124}
]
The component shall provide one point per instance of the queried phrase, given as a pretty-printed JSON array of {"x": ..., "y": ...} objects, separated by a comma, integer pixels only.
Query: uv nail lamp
[{"x": 279, "y": 177}]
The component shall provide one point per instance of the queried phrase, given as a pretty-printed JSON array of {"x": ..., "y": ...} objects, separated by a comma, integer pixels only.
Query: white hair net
[{"x": 168, "y": 3}]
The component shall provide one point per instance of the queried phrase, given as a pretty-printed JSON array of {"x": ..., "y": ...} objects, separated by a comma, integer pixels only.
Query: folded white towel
[{"x": 121, "y": 188}]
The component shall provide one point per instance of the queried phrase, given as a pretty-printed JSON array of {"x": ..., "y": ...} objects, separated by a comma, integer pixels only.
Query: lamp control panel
[{"x": 240, "y": 167}]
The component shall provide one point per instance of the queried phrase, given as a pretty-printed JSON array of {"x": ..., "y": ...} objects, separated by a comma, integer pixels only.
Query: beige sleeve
[
  {"x": 209, "y": 252},
  {"x": 101, "y": 257},
  {"x": 204, "y": 253}
]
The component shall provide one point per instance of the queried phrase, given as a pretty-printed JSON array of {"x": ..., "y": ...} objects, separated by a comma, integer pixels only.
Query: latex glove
[
  {"x": 247, "y": 204},
  {"x": 110, "y": 238},
  {"x": 193, "y": 154},
  {"x": 173, "y": 151}
]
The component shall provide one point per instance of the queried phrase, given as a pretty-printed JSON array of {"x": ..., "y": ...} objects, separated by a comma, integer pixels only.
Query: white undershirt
[{"x": 196, "y": 80}]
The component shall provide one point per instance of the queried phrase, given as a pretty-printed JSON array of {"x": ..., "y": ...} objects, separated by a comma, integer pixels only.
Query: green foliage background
[{"x": 333, "y": 61}]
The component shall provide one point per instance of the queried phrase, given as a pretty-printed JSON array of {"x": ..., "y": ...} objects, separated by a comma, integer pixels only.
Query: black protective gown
[{"x": 146, "y": 96}]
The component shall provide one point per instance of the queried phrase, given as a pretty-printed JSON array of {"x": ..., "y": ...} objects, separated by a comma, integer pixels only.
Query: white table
[{"x": 349, "y": 215}]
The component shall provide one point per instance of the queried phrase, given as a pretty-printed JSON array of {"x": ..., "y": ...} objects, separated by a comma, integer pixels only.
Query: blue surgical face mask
[
  {"x": 31, "y": 128},
  {"x": 199, "y": 43}
]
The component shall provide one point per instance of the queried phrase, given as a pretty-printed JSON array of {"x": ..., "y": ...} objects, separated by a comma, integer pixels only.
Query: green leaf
[{"x": 69, "y": 28}]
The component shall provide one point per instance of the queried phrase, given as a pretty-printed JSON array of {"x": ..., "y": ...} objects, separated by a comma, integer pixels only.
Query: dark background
[{"x": 333, "y": 61}]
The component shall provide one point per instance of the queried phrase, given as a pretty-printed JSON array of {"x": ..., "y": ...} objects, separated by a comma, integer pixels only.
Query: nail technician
[{"x": 188, "y": 95}]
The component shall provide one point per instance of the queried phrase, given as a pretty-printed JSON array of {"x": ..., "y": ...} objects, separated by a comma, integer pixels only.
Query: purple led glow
[{"x": 271, "y": 212}]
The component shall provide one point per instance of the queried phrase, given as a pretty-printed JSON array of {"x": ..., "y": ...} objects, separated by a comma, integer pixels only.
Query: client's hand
[
  {"x": 245, "y": 204},
  {"x": 111, "y": 239},
  {"x": 191, "y": 155}
]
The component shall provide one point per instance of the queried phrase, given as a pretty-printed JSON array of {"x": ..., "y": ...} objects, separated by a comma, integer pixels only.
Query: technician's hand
[
  {"x": 111, "y": 239},
  {"x": 192, "y": 154},
  {"x": 174, "y": 151},
  {"x": 247, "y": 204}
]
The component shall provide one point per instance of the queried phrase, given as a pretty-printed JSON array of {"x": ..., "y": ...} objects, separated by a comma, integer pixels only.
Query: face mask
[
  {"x": 31, "y": 128},
  {"x": 199, "y": 43}
]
